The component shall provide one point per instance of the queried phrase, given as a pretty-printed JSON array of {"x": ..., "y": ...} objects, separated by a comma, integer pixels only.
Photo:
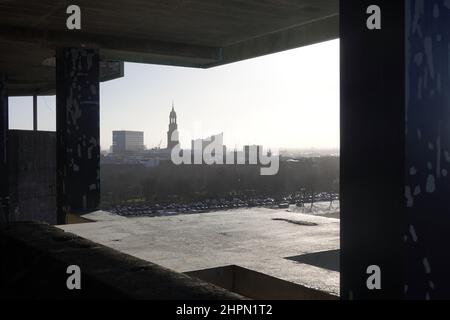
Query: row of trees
[{"x": 170, "y": 182}]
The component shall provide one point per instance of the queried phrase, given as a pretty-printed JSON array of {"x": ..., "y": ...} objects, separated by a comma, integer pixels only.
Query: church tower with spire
[{"x": 172, "y": 139}]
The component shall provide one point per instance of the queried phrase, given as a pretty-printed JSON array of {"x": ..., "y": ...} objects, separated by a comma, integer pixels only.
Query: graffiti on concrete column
[
  {"x": 78, "y": 128},
  {"x": 427, "y": 187}
]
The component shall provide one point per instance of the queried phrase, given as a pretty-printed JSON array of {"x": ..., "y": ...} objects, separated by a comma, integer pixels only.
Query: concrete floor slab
[{"x": 249, "y": 238}]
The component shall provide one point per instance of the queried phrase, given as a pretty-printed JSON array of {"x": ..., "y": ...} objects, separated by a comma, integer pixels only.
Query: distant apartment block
[{"x": 127, "y": 141}]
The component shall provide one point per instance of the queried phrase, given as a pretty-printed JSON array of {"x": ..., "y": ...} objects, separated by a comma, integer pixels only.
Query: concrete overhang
[{"x": 189, "y": 33}]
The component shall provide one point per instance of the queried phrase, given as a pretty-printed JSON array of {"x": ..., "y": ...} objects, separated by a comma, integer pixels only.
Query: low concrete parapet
[{"x": 35, "y": 258}]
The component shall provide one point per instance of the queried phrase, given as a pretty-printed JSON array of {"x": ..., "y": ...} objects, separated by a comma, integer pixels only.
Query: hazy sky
[{"x": 284, "y": 100}]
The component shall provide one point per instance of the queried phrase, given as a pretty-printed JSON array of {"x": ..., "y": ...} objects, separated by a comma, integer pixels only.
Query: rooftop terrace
[{"x": 295, "y": 247}]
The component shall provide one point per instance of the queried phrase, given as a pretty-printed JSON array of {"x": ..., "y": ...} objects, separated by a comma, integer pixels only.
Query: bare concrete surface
[
  {"x": 249, "y": 238},
  {"x": 35, "y": 257}
]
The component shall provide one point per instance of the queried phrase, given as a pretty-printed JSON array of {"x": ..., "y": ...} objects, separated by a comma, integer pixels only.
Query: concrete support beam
[
  {"x": 116, "y": 47},
  {"x": 298, "y": 36},
  {"x": 78, "y": 133},
  {"x": 4, "y": 181}
]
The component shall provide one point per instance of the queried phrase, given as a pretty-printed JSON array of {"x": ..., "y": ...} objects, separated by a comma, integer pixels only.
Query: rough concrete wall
[
  {"x": 427, "y": 173},
  {"x": 32, "y": 175},
  {"x": 35, "y": 258}
]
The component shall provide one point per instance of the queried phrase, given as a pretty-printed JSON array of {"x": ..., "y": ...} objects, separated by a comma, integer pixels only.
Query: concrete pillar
[
  {"x": 395, "y": 149},
  {"x": 372, "y": 161},
  {"x": 4, "y": 181},
  {"x": 428, "y": 150},
  {"x": 77, "y": 127},
  {"x": 35, "y": 112}
]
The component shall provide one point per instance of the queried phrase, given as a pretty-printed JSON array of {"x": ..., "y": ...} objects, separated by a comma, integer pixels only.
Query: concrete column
[
  {"x": 35, "y": 112},
  {"x": 428, "y": 150},
  {"x": 4, "y": 180},
  {"x": 372, "y": 172},
  {"x": 77, "y": 127},
  {"x": 395, "y": 149}
]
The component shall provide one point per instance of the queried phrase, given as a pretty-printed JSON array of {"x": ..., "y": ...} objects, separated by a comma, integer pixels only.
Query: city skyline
[{"x": 275, "y": 100}]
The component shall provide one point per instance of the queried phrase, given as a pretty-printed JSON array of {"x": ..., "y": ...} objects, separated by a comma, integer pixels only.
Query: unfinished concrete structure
[
  {"x": 394, "y": 81},
  {"x": 395, "y": 113},
  {"x": 40, "y": 56}
]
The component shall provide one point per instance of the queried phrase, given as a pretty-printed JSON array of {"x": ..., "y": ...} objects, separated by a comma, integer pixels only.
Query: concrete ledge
[
  {"x": 35, "y": 256},
  {"x": 260, "y": 286}
]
